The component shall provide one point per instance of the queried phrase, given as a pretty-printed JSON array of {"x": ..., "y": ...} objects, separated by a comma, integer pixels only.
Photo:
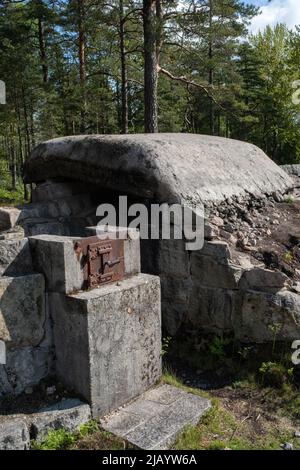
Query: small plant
[
  {"x": 288, "y": 257},
  {"x": 245, "y": 352},
  {"x": 275, "y": 328},
  {"x": 88, "y": 428},
  {"x": 165, "y": 345},
  {"x": 288, "y": 200},
  {"x": 56, "y": 440},
  {"x": 217, "y": 346},
  {"x": 275, "y": 374}
]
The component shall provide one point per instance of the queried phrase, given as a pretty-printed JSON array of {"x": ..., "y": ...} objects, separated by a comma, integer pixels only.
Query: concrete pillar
[{"x": 108, "y": 341}]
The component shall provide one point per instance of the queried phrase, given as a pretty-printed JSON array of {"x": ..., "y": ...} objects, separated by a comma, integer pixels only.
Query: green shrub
[
  {"x": 56, "y": 440},
  {"x": 275, "y": 374}
]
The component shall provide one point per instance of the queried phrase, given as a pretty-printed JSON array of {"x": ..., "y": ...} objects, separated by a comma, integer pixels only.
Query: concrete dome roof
[{"x": 166, "y": 167}]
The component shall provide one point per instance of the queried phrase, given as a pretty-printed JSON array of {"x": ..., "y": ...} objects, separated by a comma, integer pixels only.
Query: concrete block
[
  {"x": 14, "y": 434},
  {"x": 264, "y": 279},
  {"x": 108, "y": 341},
  {"x": 25, "y": 367},
  {"x": 15, "y": 257},
  {"x": 68, "y": 414},
  {"x": 8, "y": 217},
  {"x": 33, "y": 227},
  {"x": 173, "y": 258},
  {"x": 53, "y": 209},
  {"x": 211, "y": 309},
  {"x": 22, "y": 310},
  {"x": 131, "y": 237},
  {"x": 54, "y": 256},
  {"x": 263, "y": 314},
  {"x": 209, "y": 272},
  {"x": 218, "y": 249},
  {"x": 154, "y": 420}
]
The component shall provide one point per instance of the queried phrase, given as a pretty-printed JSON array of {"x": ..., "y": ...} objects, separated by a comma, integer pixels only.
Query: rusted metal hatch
[{"x": 102, "y": 260}]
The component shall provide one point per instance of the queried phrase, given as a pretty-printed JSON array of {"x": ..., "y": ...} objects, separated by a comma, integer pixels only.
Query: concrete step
[
  {"x": 154, "y": 420},
  {"x": 17, "y": 430}
]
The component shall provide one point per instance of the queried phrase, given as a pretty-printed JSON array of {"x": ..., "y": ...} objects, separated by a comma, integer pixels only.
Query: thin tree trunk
[
  {"x": 150, "y": 66},
  {"x": 82, "y": 64},
  {"x": 42, "y": 44},
  {"x": 27, "y": 140},
  {"x": 124, "y": 81},
  {"x": 211, "y": 72},
  {"x": 12, "y": 165}
]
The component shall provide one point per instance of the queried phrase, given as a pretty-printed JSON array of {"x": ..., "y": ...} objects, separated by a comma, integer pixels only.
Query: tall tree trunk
[
  {"x": 150, "y": 66},
  {"x": 42, "y": 44},
  {"x": 124, "y": 81},
  {"x": 211, "y": 72},
  {"x": 12, "y": 163},
  {"x": 82, "y": 63},
  {"x": 27, "y": 133}
]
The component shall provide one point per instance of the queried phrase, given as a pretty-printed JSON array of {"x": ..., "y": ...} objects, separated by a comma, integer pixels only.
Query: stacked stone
[{"x": 25, "y": 334}]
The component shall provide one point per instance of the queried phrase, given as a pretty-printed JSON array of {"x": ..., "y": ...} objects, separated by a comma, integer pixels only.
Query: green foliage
[
  {"x": 248, "y": 82},
  {"x": 275, "y": 328},
  {"x": 88, "y": 428},
  {"x": 275, "y": 374},
  {"x": 165, "y": 345},
  {"x": 288, "y": 257},
  {"x": 217, "y": 346},
  {"x": 56, "y": 440}
]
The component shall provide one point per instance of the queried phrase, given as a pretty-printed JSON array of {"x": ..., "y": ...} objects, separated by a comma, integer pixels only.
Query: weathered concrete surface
[
  {"x": 68, "y": 414},
  {"x": 262, "y": 315},
  {"x": 25, "y": 367},
  {"x": 16, "y": 431},
  {"x": 54, "y": 256},
  {"x": 165, "y": 167},
  {"x": 212, "y": 309},
  {"x": 292, "y": 170},
  {"x": 15, "y": 256},
  {"x": 26, "y": 332},
  {"x": 108, "y": 341},
  {"x": 8, "y": 217},
  {"x": 68, "y": 215},
  {"x": 2, "y": 352},
  {"x": 154, "y": 420},
  {"x": 14, "y": 434},
  {"x": 54, "y": 190},
  {"x": 264, "y": 280},
  {"x": 22, "y": 310}
]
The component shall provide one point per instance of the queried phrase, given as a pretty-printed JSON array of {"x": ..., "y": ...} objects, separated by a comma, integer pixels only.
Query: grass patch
[
  {"x": 59, "y": 439},
  {"x": 220, "y": 429},
  {"x": 88, "y": 436}
]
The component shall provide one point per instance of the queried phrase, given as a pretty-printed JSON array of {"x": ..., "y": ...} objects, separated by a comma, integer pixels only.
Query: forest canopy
[{"x": 129, "y": 66}]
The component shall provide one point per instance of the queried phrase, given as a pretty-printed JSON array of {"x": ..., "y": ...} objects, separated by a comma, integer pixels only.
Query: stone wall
[
  {"x": 216, "y": 289},
  {"x": 26, "y": 332}
]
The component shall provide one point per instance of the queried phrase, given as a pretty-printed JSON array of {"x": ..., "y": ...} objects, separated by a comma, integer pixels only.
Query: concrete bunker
[
  {"x": 221, "y": 288},
  {"x": 232, "y": 285}
]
